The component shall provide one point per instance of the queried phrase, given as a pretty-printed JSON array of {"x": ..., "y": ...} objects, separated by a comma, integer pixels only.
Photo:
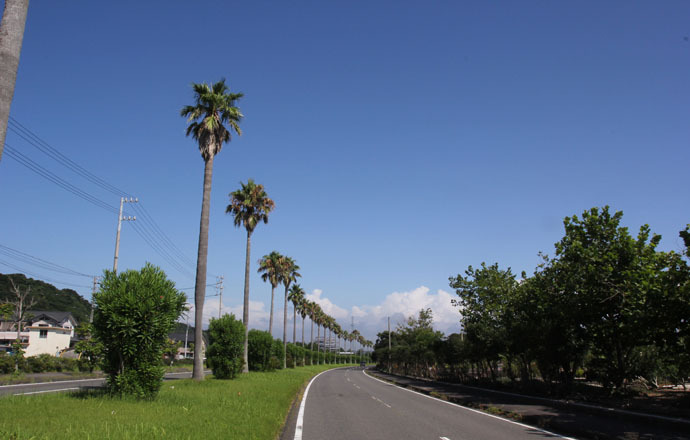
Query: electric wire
[
  {"x": 39, "y": 262},
  {"x": 155, "y": 237},
  {"x": 38, "y": 276}
]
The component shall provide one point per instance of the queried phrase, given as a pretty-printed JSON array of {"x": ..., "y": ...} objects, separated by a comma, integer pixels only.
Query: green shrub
[
  {"x": 90, "y": 350},
  {"x": 6, "y": 363},
  {"x": 277, "y": 352},
  {"x": 226, "y": 346},
  {"x": 260, "y": 344},
  {"x": 135, "y": 311}
]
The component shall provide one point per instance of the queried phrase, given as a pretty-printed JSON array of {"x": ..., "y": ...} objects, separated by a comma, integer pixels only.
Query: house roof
[
  {"x": 51, "y": 314},
  {"x": 180, "y": 336}
]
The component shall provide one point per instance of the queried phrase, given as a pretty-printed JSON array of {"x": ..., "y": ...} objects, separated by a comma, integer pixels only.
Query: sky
[{"x": 401, "y": 141}]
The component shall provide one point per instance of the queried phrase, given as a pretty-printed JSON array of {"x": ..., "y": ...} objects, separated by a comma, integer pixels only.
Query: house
[
  {"x": 43, "y": 332},
  {"x": 185, "y": 351}
]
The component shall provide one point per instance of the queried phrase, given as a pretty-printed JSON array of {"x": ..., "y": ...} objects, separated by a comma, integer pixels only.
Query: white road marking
[
  {"x": 444, "y": 438},
  {"x": 533, "y": 428},
  {"x": 45, "y": 391},
  {"x": 48, "y": 383},
  {"x": 387, "y": 405},
  {"x": 357, "y": 386},
  {"x": 300, "y": 416}
]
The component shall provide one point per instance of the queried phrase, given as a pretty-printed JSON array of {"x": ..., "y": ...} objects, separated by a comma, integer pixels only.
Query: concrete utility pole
[
  {"x": 219, "y": 284},
  {"x": 93, "y": 304},
  {"x": 186, "y": 335},
  {"x": 120, "y": 218}
]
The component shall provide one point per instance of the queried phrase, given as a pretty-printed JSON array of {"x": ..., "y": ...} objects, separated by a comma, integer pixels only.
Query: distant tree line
[{"x": 608, "y": 307}]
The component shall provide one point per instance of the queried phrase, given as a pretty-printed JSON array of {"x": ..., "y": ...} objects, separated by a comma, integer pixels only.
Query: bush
[
  {"x": 134, "y": 313},
  {"x": 260, "y": 344},
  {"x": 277, "y": 353},
  {"x": 226, "y": 346},
  {"x": 6, "y": 363}
]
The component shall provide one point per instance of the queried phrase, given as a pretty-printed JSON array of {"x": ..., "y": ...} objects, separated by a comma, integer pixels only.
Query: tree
[
  {"x": 213, "y": 109},
  {"x": 226, "y": 342},
  {"x": 302, "y": 308},
  {"x": 135, "y": 312},
  {"x": 295, "y": 296},
  {"x": 249, "y": 206},
  {"x": 22, "y": 303},
  {"x": 269, "y": 268},
  {"x": 90, "y": 350},
  {"x": 11, "y": 36},
  {"x": 288, "y": 274}
]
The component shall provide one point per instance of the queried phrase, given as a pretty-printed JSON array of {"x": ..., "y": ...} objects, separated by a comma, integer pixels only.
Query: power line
[
  {"x": 55, "y": 154},
  {"x": 48, "y": 175},
  {"x": 40, "y": 277},
  {"x": 39, "y": 262}
]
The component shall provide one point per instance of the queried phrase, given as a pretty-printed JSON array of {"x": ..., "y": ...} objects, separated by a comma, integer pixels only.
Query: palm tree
[
  {"x": 249, "y": 206},
  {"x": 295, "y": 296},
  {"x": 11, "y": 36},
  {"x": 269, "y": 268},
  {"x": 312, "y": 309},
  {"x": 288, "y": 274},
  {"x": 214, "y": 108},
  {"x": 303, "y": 313}
]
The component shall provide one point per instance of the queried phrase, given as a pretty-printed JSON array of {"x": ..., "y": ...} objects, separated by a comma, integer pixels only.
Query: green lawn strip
[{"x": 253, "y": 406}]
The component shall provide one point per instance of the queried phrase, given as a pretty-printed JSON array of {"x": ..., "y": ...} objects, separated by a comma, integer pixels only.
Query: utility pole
[
  {"x": 389, "y": 344},
  {"x": 93, "y": 303},
  {"x": 219, "y": 284},
  {"x": 120, "y": 218}
]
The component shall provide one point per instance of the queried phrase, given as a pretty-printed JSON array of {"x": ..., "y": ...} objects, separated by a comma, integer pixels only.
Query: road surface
[
  {"x": 67, "y": 385},
  {"x": 346, "y": 404}
]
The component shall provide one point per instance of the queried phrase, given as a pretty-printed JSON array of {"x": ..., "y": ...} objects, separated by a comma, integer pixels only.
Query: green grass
[{"x": 253, "y": 406}]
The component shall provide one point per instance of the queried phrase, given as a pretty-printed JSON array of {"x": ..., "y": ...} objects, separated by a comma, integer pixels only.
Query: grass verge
[{"x": 253, "y": 406}]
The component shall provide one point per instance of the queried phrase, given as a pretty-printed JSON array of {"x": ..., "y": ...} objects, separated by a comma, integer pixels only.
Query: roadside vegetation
[
  {"x": 605, "y": 316},
  {"x": 252, "y": 406}
]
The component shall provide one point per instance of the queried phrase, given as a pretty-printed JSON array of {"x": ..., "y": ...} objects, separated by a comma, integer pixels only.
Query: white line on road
[
  {"x": 300, "y": 415},
  {"x": 46, "y": 391},
  {"x": 444, "y": 438},
  {"x": 533, "y": 428},
  {"x": 48, "y": 383}
]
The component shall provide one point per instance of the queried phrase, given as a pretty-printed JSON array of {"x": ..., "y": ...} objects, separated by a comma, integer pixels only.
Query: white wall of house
[{"x": 48, "y": 340}]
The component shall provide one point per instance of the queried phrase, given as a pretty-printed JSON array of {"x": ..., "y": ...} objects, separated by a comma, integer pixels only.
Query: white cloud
[{"x": 369, "y": 319}]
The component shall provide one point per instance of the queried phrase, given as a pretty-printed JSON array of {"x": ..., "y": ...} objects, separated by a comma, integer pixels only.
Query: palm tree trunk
[
  {"x": 318, "y": 350},
  {"x": 201, "y": 260},
  {"x": 270, "y": 320},
  {"x": 285, "y": 328},
  {"x": 245, "y": 311},
  {"x": 11, "y": 36},
  {"x": 294, "y": 324},
  {"x": 311, "y": 342},
  {"x": 304, "y": 355}
]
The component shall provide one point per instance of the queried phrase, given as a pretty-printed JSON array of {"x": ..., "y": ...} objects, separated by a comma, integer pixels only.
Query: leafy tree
[
  {"x": 170, "y": 349},
  {"x": 249, "y": 206},
  {"x": 226, "y": 342},
  {"x": 135, "y": 311},
  {"x": 90, "y": 350},
  {"x": 269, "y": 268},
  {"x": 214, "y": 108}
]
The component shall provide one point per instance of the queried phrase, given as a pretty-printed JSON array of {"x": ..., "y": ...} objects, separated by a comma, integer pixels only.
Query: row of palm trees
[{"x": 211, "y": 121}]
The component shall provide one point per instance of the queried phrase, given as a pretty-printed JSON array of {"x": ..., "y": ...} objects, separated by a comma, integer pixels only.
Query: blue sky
[{"x": 401, "y": 141}]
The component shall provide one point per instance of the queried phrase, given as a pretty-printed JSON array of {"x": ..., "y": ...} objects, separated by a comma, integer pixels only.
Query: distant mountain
[{"x": 47, "y": 296}]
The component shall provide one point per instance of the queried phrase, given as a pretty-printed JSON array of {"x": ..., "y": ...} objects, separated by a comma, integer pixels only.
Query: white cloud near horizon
[{"x": 369, "y": 319}]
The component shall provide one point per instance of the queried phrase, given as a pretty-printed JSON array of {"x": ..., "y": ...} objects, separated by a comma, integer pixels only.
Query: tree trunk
[
  {"x": 245, "y": 311},
  {"x": 11, "y": 36},
  {"x": 294, "y": 324},
  {"x": 311, "y": 342},
  {"x": 285, "y": 327},
  {"x": 318, "y": 350},
  {"x": 304, "y": 354},
  {"x": 270, "y": 319},
  {"x": 201, "y": 260}
]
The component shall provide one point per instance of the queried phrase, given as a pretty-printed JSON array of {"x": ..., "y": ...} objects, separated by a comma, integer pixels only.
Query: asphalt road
[
  {"x": 346, "y": 404},
  {"x": 67, "y": 385}
]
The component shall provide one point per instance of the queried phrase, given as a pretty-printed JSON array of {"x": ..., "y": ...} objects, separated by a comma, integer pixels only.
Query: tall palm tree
[
  {"x": 295, "y": 295},
  {"x": 269, "y": 268},
  {"x": 11, "y": 37},
  {"x": 214, "y": 108},
  {"x": 249, "y": 206},
  {"x": 288, "y": 274},
  {"x": 303, "y": 313},
  {"x": 312, "y": 308}
]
